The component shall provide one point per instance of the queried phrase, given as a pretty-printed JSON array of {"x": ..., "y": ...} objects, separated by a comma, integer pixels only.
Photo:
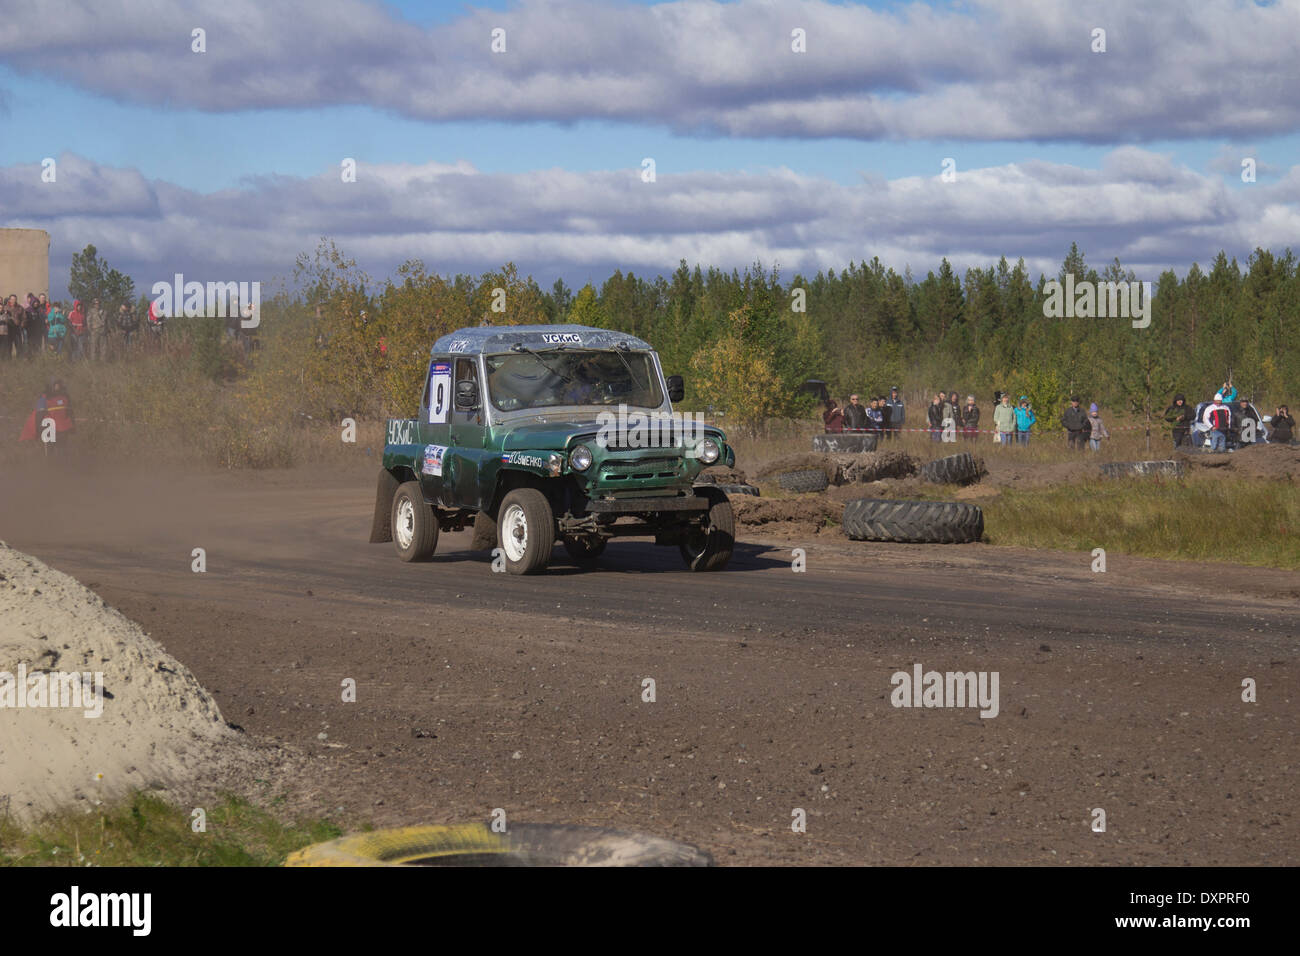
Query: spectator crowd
[
  {"x": 30, "y": 327},
  {"x": 1224, "y": 424}
]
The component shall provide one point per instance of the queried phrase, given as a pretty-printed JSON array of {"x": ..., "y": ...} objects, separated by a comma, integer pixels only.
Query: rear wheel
[
  {"x": 525, "y": 531},
  {"x": 414, "y": 525},
  {"x": 381, "y": 525},
  {"x": 708, "y": 547},
  {"x": 584, "y": 551}
]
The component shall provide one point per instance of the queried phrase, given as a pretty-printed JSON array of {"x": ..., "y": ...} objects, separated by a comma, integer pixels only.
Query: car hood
[
  {"x": 554, "y": 435},
  {"x": 558, "y": 435}
]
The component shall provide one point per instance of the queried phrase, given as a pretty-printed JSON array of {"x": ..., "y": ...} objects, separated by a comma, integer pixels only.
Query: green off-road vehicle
[{"x": 542, "y": 433}]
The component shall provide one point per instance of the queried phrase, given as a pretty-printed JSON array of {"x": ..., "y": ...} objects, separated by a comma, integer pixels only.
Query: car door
[
  {"x": 467, "y": 434},
  {"x": 435, "y": 430}
]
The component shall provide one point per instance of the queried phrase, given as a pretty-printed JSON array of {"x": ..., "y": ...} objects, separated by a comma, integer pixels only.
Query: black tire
[
  {"x": 381, "y": 525},
  {"x": 523, "y": 844},
  {"x": 584, "y": 551},
  {"x": 413, "y": 523},
  {"x": 803, "y": 481},
  {"x": 525, "y": 518},
  {"x": 851, "y": 443},
  {"x": 953, "y": 470},
  {"x": 1123, "y": 469},
  {"x": 730, "y": 490},
  {"x": 709, "y": 548},
  {"x": 919, "y": 522}
]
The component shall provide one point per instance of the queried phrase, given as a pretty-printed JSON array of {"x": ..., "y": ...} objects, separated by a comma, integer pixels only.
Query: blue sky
[{"x": 1137, "y": 148}]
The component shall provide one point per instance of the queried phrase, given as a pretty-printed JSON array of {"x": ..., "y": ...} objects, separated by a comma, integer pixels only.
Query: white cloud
[
  {"x": 1140, "y": 206},
  {"x": 1229, "y": 158},
  {"x": 990, "y": 69}
]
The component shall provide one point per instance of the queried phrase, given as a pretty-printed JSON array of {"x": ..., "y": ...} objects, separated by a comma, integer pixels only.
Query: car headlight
[
  {"x": 580, "y": 458},
  {"x": 709, "y": 451}
]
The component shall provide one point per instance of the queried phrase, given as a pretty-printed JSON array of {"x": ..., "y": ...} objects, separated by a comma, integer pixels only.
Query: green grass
[
  {"x": 1244, "y": 521},
  {"x": 146, "y": 831}
]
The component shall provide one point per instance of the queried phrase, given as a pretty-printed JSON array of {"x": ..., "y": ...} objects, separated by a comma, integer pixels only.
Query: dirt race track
[{"x": 476, "y": 690}]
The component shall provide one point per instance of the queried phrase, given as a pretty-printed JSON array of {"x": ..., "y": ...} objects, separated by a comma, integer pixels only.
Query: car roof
[{"x": 499, "y": 338}]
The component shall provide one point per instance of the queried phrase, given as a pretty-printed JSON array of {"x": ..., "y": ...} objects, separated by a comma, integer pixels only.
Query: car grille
[{"x": 639, "y": 468}]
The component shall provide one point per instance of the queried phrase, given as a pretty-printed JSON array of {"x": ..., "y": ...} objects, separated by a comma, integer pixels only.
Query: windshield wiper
[
  {"x": 618, "y": 350},
  {"x": 520, "y": 347}
]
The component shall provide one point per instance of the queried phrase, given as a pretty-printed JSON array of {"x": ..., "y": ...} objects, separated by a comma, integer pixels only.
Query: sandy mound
[{"x": 158, "y": 727}]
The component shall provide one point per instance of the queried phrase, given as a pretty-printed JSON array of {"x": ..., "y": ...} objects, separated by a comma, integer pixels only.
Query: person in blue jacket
[
  {"x": 1025, "y": 419},
  {"x": 1229, "y": 392}
]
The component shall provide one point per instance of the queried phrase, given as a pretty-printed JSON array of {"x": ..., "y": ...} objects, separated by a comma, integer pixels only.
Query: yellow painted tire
[{"x": 524, "y": 844}]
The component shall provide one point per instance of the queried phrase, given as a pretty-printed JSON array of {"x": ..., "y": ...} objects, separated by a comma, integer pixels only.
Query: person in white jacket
[{"x": 1217, "y": 419}]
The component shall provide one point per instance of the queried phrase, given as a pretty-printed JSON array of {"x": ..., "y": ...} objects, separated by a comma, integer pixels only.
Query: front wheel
[
  {"x": 526, "y": 531},
  {"x": 414, "y": 525},
  {"x": 708, "y": 547}
]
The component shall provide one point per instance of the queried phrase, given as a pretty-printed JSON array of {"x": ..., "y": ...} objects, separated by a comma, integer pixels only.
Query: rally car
[{"x": 538, "y": 434}]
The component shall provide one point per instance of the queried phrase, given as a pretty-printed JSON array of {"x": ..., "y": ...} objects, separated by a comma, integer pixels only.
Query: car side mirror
[
  {"x": 676, "y": 388},
  {"x": 467, "y": 395}
]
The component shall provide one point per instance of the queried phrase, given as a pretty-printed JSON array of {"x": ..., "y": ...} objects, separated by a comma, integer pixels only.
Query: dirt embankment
[
  {"x": 1274, "y": 462},
  {"x": 895, "y": 474},
  {"x": 878, "y": 474},
  {"x": 845, "y": 469},
  {"x": 90, "y": 706}
]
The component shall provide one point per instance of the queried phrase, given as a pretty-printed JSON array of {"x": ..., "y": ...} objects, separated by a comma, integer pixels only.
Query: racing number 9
[{"x": 439, "y": 390}]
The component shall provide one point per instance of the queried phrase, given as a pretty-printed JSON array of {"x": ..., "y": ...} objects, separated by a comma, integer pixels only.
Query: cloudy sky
[{"x": 226, "y": 164}]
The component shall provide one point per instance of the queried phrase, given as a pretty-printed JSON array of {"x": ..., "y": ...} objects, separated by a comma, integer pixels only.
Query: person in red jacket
[
  {"x": 155, "y": 323},
  {"x": 53, "y": 404},
  {"x": 77, "y": 330},
  {"x": 833, "y": 416}
]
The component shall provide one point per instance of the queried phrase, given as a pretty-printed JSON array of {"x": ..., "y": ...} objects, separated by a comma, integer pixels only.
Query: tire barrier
[
  {"x": 845, "y": 443},
  {"x": 1122, "y": 469},
  {"x": 953, "y": 470},
  {"x": 913, "y": 522},
  {"x": 523, "y": 844},
  {"x": 804, "y": 481}
]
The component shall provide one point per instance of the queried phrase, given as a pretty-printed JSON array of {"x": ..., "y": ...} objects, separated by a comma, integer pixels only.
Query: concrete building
[{"x": 24, "y": 261}]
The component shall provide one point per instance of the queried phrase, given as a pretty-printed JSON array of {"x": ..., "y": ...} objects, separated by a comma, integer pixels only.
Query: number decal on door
[{"x": 439, "y": 392}]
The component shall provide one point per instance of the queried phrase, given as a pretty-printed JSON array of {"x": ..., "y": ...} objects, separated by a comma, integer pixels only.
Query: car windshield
[{"x": 549, "y": 377}]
